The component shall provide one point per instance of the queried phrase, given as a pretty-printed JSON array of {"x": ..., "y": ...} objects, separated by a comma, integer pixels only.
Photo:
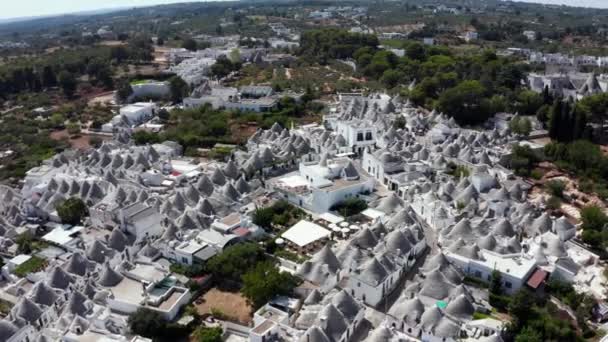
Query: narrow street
[{"x": 432, "y": 249}]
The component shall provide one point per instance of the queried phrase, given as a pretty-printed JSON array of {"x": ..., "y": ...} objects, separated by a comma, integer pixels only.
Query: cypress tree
[
  {"x": 556, "y": 114},
  {"x": 580, "y": 122},
  {"x": 564, "y": 128},
  {"x": 547, "y": 98}
]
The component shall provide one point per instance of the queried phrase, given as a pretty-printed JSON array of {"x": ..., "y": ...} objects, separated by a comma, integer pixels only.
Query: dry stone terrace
[{"x": 425, "y": 234}]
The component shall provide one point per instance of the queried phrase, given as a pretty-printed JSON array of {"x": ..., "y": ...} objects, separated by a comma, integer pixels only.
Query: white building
[
  {"x": 133, "y": 115},
  {"x": 318, "y": 186},
  {"x": 358, "y": 134},
  {"x": 531, "y": 35},
  {"x": 305, "y": 233},
  {"x": 141, "y": 221},
  {"x": 514, "y": 269},
  {"x": 138, "y": 112},
  {"x": 150, "y": 89},
  {"x": 470, "y": 36}
]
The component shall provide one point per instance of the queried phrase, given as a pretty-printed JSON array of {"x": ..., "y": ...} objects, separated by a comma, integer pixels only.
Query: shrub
[
  {"x": 72, "y": 210},
  {"x": 554, "y": 203},
  {"x": 219, "y": 314},
  {"x": 536, "y": 174},
  {"x": 147, "y": 323},
  {"x": 350, "y": 207},
  {"x": 556, "y": 188},
  {"x": 265, "y": 281},
  {"x": 499, "y": 302},
  {"x": 204, "y": 334},
  {"x": 594, "y": 218},
  {"x": 235, "y": 260}
]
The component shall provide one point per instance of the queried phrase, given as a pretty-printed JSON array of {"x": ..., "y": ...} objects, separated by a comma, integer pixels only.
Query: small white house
[
  {"x": 138, "y": 113},
  {"x": 358, "y": 134},
  {"x": 141, "y": 221},
  {"x": 470, "y": 36},
  {"x": 514, "y": 269},
  {"x": 318, "y": 186}
]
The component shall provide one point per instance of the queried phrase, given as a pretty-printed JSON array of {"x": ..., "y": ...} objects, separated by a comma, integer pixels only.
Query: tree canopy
[
  {"x": 329, "y": 43},
  {"x": 265, "y": 281},
  {"x": 72, "y": 210},
  {"x": 465, "y": 102},
  {"x": 235, "y": 261},
  {"x": 204, "y": 334},
  {"x": 179, "y": 89},
  {"x": 189, "y": 44}
]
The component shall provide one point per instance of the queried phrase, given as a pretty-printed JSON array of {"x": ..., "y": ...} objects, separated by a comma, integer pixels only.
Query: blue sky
[
  {"x": 580, "y": 3},
  {"x": 28, "y": 8}
]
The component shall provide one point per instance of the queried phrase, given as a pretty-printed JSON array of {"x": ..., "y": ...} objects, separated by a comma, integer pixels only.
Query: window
[
  {"x": 359, "y": 136},
  {"x": 508, "y": 284},
  {"x": 368, "y": 136},
  {"x": 478, "y": 274},
  {"x": 358, "y": 284},
  {"x": 185, "y": 260}
]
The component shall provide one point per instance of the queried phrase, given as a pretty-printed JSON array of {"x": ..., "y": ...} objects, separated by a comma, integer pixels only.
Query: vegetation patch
[
  {"x": 350, "y": 207},
  {"x": 33, "y": 265},
  {"x": 281, "y": 214}
]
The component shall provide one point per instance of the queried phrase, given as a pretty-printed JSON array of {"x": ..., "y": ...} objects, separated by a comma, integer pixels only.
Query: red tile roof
[
  {"x": 537, "y": 278},
  {"x": 241, "y": 231}
]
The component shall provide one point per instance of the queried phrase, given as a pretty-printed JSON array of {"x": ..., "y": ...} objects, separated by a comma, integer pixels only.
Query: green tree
[
  {"x": 119, "y": 54},
  {"x": 554, "y": 203},
  {"x": 528, "y": 334},
  {"x": 123, "y": 91},
  {"x": 235, "y": 261},
  {"x": 204, "y": 334},
  {"x": 25, "y": 243},
  {"x": 594, "y": 218},
  {"x": 265, "y": 281},
  {"x": 415, "y": 51},
  {"x": 145, "y": 137},
  {"x": 104, "y": 76},
  {"x": 555, "y": 119},
  {"x": 391, "y": 78},
  {"x": 57, "y": 120},
  {"x": 73, "y": 128},
  {"x": 496, "y": 283},
  {"x": 350, "y": 207},
  {"x": 147, "y": 323},
  {"x": 68, "y": 83},
  {"x": 521, "y": 126},
  {"x": 72, "y": 210},
  {"x": 189, "y": 44},
  {"x": 179, "y": 89},
  {"x": 520, "y": 307},
  {"x": 49, "y": 79},
  {"x": 263, "y": 217},
  {"x": 223, "y": 66},
  {"x": 556, "y": 188},
  {"x": 465, "y": 102},
  {"x": 528, "y": 102},
  {"x": 580, "y": 124}
]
